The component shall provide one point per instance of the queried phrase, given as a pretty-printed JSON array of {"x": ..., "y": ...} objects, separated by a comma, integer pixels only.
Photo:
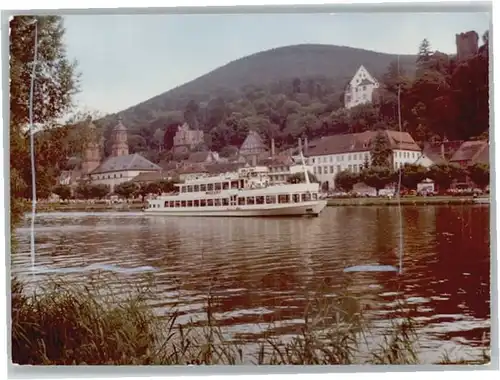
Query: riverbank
[
  {"x": 405, "y": 201},
  {"x": 67, "y": 325},
  {"x": 336, "y": 202},
  {"x": 88, "y": 207}
]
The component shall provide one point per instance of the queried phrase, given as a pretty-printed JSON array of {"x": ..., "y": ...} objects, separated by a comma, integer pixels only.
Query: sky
[{"x": 127, "y": 59}]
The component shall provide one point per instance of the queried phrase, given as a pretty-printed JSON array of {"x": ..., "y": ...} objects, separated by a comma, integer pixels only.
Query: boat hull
[{"x": 313, "y": 208}]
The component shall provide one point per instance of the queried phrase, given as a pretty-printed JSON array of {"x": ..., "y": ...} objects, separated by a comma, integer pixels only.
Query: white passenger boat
[{"x": 244, "y": 193}]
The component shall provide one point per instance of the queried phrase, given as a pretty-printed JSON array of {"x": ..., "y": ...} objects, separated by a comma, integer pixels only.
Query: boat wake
[
  {"x": 371, "y": 268},
  {"x": 93, "y": 267}
]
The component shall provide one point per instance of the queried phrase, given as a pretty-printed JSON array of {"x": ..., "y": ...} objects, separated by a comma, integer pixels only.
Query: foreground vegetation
[{"x": 68, "y": 325}]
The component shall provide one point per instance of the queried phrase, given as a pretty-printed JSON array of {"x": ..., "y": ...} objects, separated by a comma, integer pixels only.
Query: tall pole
[
  {"x": 401, "y": 245},
  {"x": 32, "y": 147}
]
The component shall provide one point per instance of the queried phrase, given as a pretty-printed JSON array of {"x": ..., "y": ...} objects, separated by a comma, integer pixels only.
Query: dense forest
[{"x": 440, "y": 98}]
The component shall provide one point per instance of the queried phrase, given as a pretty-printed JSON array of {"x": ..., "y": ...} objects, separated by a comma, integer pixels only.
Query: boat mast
[{"x": 306, "y": 174}]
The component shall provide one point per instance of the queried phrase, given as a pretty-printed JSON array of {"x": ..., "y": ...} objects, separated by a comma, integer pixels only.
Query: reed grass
[{"x": 68, "y": 324}]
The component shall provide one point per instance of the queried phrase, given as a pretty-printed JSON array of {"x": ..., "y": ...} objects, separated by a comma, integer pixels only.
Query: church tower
[
  {"x": 92, "y": 152},
  {"x": 119, "y": 138}
]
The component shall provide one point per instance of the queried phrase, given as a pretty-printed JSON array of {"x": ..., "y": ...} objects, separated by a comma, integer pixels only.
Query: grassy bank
[
  {"x": 88, "y": 207},
  {"x": 67, "y": 325},
  {"x": 405, "y": 201}
]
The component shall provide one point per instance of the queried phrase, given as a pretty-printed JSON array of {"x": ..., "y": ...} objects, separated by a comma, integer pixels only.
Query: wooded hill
[
  {"x": 308, "y": 75},
  {"x": 298, "y": 91},
  {"x": 332, "y": 64}
]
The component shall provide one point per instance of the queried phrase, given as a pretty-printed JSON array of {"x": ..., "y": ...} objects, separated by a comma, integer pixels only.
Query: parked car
[{"x": 426, "y": 193}]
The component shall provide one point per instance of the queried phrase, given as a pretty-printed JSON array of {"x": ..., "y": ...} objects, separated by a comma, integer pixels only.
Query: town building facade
[{"x": 331, "y": 155}]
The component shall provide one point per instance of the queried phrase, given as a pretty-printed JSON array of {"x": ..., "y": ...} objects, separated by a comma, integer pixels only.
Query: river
[{"x": 262, "y": 269}]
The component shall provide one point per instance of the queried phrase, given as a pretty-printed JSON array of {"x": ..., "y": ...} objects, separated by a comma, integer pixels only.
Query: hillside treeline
[{"x": 443, "y": 98}]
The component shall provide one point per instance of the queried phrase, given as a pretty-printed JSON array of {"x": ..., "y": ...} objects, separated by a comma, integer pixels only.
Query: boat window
[
  {"x": 250, "y": 200},
  {"x": 190, "y": 189},
  {"x": 296, "y": 198},
  {"x": 284, "y": 198},
  {"x": 203, "y": 203},
  {"x": 210, "y": 202},
  {"x": 177, "y": 204},
  {"x": 241, "y": 201},
  {"x": 315, "y": 196},
  {"x": 259, "y": 200},
  {"x": 196, "y": 188},
  {"x": 218, "y": 186},
  {"x": 225, "y": 202},
  {"x": 216, "y": 202},
  {"x": 183, "y": 203},
  {"x": 210, "y": 187},
  {"x": 306, "y": 197},
  {"x": 190, "y": 203},
  {"x": 166, "y": 204},
  {"x": 271, "y": 199},
  {"x": 196, "y": 203},
  {"x": 225, "y": 185},
  {"x": 203, "y": 187},
  {"x": 182, "y": 189},
  {"x": 234, "y": 184}
]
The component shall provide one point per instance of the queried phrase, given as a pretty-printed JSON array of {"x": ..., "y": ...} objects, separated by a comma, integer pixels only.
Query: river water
[{"x": 263, "y": 269}]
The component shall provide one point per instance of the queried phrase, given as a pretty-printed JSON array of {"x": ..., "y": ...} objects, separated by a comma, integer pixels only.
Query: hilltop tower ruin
[{"x": 467, "y": 45}]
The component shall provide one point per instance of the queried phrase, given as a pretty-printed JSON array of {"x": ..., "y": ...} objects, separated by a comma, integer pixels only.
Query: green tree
[
  {"x": 192, "y": 114},
  {"x": 296, "y": 85},
  {"x": 99, "y": 191},
  {"x": 393, "y": 77},
  {"x": 423, "y": 56},
  {"x": 381, "y": 152},
  {"x": 63, "y": 191},
  {"x": 377, "y": 177},
  {"x": 228, "y": 151},
  {"x": 56, "y": 83},
  {"x": 166, "y": 186},
  {"x": 470, "y": 97},
  {"x": 158, "y": 137},
  {"x": 345, "y": 180},
  {"x": 412, "y": 175},
  {"x": 143, "y": 190},
  {"x": 479, "y": 174},
  {"x": 83, "y": 190},
  {"x": 153, "y": 188},
  {"x": 137, "y": 144},
  {"x": 366, "y": 163},
  {"x": 126, "y": 189},
  {"x": 444, "y": 174}
]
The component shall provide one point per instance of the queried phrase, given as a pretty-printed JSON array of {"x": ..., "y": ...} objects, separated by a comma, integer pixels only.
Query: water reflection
[{"x": 263, "y": 270}]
